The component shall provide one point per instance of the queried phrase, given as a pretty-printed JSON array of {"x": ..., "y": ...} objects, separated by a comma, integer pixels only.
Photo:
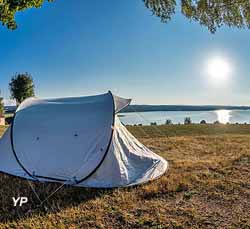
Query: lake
[{"x": 160, "y": 117}]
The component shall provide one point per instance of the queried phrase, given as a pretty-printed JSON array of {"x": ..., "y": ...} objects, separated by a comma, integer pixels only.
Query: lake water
[{"x": 160, "y": 117}]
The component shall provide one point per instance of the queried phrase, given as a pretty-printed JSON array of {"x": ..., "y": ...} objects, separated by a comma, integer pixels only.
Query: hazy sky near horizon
[{"x": 74, "y": 48}]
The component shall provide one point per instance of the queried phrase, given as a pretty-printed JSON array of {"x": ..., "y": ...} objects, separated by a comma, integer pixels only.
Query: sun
[{"x": 218, "y": 69}]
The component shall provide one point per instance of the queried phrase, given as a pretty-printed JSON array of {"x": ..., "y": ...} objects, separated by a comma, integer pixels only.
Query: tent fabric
[
  {"x": 120, "y": 103},
  {"x": 79, "y": 141},
  {"x": 132, "y": 163}
]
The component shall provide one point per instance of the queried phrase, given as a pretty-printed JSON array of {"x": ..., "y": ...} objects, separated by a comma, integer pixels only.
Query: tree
[
  {"x": 210, "y": 13},
  {"x": 21, "y": 87},
  {"x": 203, "y": 122},
  {"x": 168, "y": 122},
  {"x": 1, "y": 106},
  {"x": 187, "y": 121}
]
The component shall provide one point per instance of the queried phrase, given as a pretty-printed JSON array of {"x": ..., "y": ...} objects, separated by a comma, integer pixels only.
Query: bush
[
  {"x": 8, "y": 120},
  {"x": 153, "y": 124},
  {"x": 168, "y": 122},
  {"x": 187, "y": 121},
  {"x": 203, "y": 122},
  {"x": 217, "y": 122}
]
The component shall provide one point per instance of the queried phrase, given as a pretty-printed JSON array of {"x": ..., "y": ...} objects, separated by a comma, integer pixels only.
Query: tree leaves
[
  {"x": 161, "y": 8},
  {"x": 21, "y": 87},
  {"x": 1, "y": 107},
  {"x": 210, "y": 13},
  {"x": 8, "y": 9}
]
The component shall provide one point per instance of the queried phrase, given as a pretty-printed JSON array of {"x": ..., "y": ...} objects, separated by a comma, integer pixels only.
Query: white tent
[{"x": 78, "y": 141}]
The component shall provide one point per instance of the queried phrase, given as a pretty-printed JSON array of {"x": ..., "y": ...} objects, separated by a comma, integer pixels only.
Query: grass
[
  {"x": 189, "y": 130},
  {"x": 206, "y": 186},
  {"x": 8, "y": 115}
]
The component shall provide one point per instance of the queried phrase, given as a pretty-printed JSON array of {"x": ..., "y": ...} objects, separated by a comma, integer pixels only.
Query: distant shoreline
[{"x": 151, "y": 108}]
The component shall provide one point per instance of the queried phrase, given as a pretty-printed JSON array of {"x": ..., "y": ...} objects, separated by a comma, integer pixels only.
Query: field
[{"x": 207, "y": 186}]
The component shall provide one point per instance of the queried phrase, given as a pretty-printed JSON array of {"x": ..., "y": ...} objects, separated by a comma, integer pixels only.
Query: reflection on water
[
  {"x": 160, "y": 117},
  {"x": 223, "y": 116}
]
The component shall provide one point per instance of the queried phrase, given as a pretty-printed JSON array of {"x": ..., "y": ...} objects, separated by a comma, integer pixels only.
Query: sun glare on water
[{"x": 223, "y": 116}]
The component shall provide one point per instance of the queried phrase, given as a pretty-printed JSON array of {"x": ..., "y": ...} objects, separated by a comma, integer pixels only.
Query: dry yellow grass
[{"x": 207, "y": 186}]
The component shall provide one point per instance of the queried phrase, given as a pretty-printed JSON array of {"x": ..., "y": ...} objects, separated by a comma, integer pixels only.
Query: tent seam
[{"x": 108, "y": 147}]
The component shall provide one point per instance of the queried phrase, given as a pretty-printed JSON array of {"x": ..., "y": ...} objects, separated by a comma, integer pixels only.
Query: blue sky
[{"x": 74, "y": 48}]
